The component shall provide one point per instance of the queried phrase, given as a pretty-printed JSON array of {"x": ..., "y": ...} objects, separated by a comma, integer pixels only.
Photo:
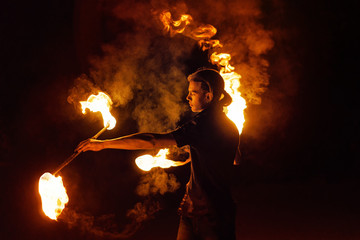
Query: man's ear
[{"x": 209, "y": 97}]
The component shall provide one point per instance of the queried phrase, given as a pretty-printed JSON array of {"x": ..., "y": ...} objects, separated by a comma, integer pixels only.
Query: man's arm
[{"x": 131, "y": 142}]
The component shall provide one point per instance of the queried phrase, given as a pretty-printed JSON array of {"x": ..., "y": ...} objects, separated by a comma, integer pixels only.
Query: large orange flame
[
  {"x": 53, "y": 195},
  {"x": 147, "y": 162},
  {"x": 100, "y": 103},
  {"x": 235, "y": 111}
]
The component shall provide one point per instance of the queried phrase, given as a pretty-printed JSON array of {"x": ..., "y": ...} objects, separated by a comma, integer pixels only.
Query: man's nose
[{"x": 188, "y": 97}]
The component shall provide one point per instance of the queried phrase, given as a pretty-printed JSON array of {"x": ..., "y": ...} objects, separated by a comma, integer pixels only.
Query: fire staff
[{"x": 207, "y": 209}]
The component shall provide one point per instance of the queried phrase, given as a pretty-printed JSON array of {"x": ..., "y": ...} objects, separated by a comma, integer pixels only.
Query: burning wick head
[
  {"x": 100, "y": 103},
  {"x": 51, "y": 188},
  {"x": 53, "y": 195},
  {"x": 147, "y": 162}
]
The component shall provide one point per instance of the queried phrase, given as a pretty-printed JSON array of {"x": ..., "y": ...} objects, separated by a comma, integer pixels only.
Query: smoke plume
[
  {"x": 103, "y": 227},
  {"x": 157, "y": 181},
  {"x": 145, "y": 71},
  {"x": 151, "y": 184},
  {"x": 138, "y": 67}
]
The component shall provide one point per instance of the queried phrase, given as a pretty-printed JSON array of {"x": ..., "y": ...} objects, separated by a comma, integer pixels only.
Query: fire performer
[{"x": 207, "y": 209}]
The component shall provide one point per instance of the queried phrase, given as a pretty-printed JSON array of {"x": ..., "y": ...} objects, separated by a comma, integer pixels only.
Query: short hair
[{"x": 212, "y": 81}]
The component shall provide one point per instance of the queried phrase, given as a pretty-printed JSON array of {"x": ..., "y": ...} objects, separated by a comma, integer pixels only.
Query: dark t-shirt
[{"x": 213, "y": 141}]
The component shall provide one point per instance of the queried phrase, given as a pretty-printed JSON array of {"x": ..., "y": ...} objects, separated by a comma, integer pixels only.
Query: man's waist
[{"x": 191, "y": 206}]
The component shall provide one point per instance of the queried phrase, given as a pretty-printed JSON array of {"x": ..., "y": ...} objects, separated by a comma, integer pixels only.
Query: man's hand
[{"x": 90, "y": 145}]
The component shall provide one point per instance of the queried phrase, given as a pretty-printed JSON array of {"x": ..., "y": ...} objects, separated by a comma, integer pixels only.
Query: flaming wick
[{"x": 75, "y": 154}]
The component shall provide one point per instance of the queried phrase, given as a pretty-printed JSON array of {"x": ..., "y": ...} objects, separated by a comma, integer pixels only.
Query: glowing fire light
[
  {"x": 53, "y": 195},
  {"x": 235, "y": 111},
  {"x": 174, "y": 26},
  {"x": 147, "y": 162},
  {"x": 209, "y": 43},
  {"x": 51, "y": 188},
  {"x": 203, "y": 32},
  {"x": 100, "y": 103}
]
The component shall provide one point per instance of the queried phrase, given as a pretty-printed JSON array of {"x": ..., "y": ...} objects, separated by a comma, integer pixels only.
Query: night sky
[{"x": 299, "y": 175}]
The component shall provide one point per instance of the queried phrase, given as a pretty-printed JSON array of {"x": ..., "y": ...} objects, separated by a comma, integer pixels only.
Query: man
[{"x": 207, "y": 210}]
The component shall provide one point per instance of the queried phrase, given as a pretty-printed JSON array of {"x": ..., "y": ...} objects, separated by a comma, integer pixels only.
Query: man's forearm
[{"x": 140, "y": 141}]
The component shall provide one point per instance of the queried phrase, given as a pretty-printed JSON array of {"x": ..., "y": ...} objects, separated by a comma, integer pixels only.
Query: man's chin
[{"x": 195, "y": 110}]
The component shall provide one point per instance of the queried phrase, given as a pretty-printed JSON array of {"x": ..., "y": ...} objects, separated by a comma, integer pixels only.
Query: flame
[
  {"x": 174, "y": 26},
  {"x": 53, "y": 195},
  {"x": 100, "y": 103},
  {"x": 179, "y": 26},
  {"x": 203, "y": 32},
  {"x": 147, "y": 162},
  {"x": 235, "y": 111},
  {"x": 206, "y": 44}
]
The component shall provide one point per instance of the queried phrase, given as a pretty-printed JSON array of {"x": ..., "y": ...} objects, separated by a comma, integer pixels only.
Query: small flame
[
  {"x": 235, "y": 111},
  {"x": 180, "y": 26},
  {"x": 203, "y": 32},
  {"x": 206, "y": 44},
  {"x": 174, "y": 26},
  {"x": 100, "y": 103},
  {"x": 53, "y": 195},
  {"x": 147, "y": 162}
]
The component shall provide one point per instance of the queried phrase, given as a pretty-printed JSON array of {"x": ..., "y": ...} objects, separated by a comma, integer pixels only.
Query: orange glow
[
  {"x": 179, "y": 26},
  {"x": 235, "y": 111},
  {"x": 209, "y": 43},
  {"x": 174, "y": 26},
  {"x": 53, "y": 195},
  {"x": 100, "y": 103},
  {"x": 204, "y": 32},
  {"x": 147, "y": 162}
]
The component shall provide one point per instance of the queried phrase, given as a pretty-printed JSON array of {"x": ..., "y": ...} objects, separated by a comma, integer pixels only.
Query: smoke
[
  {"x": 103, "y": 227},
  {"x": 157, "y": 181},
  {"x": 80, "y": 91},
  {"x": 145, "y": 71},
  {"x": 106, "y": 226},
  {"x": 243, "y": 35},
  {"x": 139, "y": 68},
  {"x": 151, "y": 184}
]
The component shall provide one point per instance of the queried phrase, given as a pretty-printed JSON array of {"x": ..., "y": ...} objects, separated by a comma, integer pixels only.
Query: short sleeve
[{"x": 184, "y": 135}]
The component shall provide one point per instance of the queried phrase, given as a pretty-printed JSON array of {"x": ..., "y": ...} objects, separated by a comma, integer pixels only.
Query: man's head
[{"x": 206, "y": 87}]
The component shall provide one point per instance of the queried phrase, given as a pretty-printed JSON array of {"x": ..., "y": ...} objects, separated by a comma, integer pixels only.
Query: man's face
[{"x": 198, "y": 98}]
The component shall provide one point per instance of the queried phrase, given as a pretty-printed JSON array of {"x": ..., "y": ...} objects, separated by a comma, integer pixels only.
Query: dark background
[{"x": 300, "y": 180}]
